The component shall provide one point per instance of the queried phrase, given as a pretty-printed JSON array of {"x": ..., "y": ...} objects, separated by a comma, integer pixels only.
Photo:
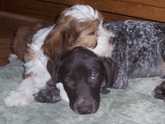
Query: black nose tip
[
  {"x": 112, "y": 41},
  {"x": 84, "y": 109}
]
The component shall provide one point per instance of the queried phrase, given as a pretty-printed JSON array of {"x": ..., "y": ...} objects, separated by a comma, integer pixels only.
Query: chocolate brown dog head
[{"x": 84, "y": 75}]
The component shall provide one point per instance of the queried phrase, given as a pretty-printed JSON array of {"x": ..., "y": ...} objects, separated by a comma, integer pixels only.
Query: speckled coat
[{"x": 139, "y": 49}]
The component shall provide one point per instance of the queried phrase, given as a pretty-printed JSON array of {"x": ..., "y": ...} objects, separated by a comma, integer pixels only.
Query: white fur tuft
[
  {"x": 63, "y": 94},
  {"x": 12, "y": 57},
  {"x": 83, "y": 12}
]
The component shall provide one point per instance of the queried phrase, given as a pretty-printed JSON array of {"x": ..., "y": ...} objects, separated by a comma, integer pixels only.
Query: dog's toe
[
  {"x": 55, "y": 95},
  {"x": 49, "y": 95},
  {"x": 39, "y": 98},
  {"x": 159, "y": 91}
]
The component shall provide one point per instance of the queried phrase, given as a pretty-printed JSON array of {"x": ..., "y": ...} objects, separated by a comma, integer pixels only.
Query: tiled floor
[{"x": 8, "y": 27}]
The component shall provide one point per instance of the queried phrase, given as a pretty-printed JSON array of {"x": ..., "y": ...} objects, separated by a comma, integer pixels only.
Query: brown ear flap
[
  {"x": 56, "y": 44},
  {"x": 110, "y": 72}
]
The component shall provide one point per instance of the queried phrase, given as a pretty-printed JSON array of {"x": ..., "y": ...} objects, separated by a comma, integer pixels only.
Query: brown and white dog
[{"x": 79, "y": 25}]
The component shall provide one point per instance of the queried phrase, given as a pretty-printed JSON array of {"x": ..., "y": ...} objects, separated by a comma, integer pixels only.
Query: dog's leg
[
  {"x": 35, "y": 69},
  {"x": 159, "y": 91},
  {"x": 121, "y": 81},
  {"x": 36, "y": 78},
  {"x": 23, "y": 94}
]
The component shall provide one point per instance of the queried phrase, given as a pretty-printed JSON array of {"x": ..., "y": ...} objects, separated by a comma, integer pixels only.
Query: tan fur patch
[
  {"x": 28, "y": 57},
  {"x": 24, "y": 36}
]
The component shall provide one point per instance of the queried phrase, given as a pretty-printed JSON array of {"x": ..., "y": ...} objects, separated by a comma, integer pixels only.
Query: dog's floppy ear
[
  {"x": 60, "y": 40},
  {"x": 110, "y": 72},
  {"x": 162, "y": 52},
  {"x": 53, "y": 71}
]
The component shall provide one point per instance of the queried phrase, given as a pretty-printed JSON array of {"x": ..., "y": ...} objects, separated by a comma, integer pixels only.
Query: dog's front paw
[
  {"x": 16, "y": 99},
  {"x": 48, "y": 95},
  {"x": 159, "y": 91}
]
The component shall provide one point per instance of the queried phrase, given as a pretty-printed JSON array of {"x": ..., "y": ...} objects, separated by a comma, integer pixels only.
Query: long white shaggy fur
[{"x": 31, "y": 85}]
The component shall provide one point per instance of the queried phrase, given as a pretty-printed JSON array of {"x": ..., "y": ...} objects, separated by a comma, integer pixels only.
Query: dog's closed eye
[
  {"x": 92, "y": 33},
  {"x": 69, "y": 82}
]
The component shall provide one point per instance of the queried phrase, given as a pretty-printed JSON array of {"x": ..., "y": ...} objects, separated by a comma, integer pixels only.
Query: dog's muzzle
[{"x": 82, "y": 106}]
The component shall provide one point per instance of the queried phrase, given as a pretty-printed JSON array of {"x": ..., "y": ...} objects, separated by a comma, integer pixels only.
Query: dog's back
[{"x": 139, "y": 47}]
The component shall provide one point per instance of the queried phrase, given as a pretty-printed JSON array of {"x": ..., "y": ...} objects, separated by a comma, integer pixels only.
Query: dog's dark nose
[
  {"x": 112, "y": 41},
  {"x": 84, "y": 108}
]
